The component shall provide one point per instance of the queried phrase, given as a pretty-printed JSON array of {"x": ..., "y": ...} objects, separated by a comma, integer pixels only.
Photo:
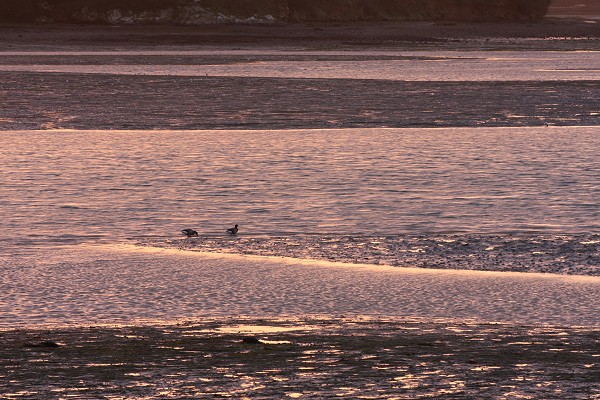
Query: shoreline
[
  {"x": 560, "y": 254},
  {"x": 550, "y": 33},
  {"x": 248, "y": 324}
]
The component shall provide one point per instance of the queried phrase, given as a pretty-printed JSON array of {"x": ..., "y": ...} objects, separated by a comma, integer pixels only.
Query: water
[
  {"x": 117, "y": 185},
  {"x": 201, "y": 90},
  {"x": 499, "y": 194},
  {"x": 389, "y": 65},
  {"x": 315, "y": 189},
  {"x": 128, "y": 148},
  {"x": 128, "y": 285}
]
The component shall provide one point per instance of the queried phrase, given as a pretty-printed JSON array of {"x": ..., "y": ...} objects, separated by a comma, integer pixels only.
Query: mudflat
[
  {"x": 303, "y": 358},
  {"x": 77, "y": 100},
  {"x": 306, "y": 356},
  {"x": 549, "y": 34}
]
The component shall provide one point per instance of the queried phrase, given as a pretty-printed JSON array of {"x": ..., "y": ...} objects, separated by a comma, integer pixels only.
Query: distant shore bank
[
  {"x": 202, "y": 12},
  {"x": 549, "y": 34}
]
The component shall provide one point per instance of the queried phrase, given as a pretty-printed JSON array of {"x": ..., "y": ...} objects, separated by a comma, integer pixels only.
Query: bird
[
  {"x": 189, "y": 232},
  {"x": 234, "y": 230}
]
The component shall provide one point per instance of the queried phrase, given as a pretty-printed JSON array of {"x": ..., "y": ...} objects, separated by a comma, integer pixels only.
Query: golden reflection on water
[
  {"x": 259, "y": 329},
  {"x": 431, "y": 180}
]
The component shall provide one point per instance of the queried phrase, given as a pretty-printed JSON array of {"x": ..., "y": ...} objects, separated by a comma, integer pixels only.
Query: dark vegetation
[
  {"x": 417, "y": 10},
  {"x": 193, "y": 11},
  {"x": 68, "y": 10}
]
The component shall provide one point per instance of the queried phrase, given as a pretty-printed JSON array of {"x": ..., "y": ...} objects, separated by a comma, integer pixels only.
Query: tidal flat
[
  {"x": 55, "y": 100},
  {"x": 571, "y": 254},
  {"x": 307, "y": 357},
  {"x": 152, "y": 321}
]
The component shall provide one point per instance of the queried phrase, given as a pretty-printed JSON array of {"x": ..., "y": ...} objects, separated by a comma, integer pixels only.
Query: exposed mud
[
  {"x": 557, "y": 254},
  {"x": 310, "y": 358},
  {"x": 82, "y": 101}
]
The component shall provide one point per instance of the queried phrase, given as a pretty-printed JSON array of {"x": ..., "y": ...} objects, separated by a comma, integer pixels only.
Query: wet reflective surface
[
  {"x": 268, "y": 89},
  {"x": 514, "y": 199},
  {"x": 134, "y": 184},
  {"x": 577, "y": 254},
  {"x": 311, "y": 358},
  {"x": 393, "y": 66},
  {"x": 128, "y": 284}
]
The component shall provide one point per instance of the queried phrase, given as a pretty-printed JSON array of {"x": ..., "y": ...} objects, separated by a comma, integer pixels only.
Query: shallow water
[
  {"x": 89, "y": 285},
  {"x": 118, "y": 185},
  {"x": 511, "y": 199},
  {"x": 244, "y": 89},
  {"x": 572, "y": 254},
  {"x": 368, "y": 194},
  {"x": 404, "y": 66}
]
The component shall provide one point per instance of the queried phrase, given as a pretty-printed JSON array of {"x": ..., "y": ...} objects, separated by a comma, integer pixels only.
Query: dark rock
[{"x": 251, "y": 340}]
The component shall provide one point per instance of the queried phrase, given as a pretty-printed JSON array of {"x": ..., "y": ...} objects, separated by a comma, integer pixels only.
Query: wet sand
[
  {"x": 572, "y": 254},
  {"x": 305, "y": 357},
  {"x": 80, "y": 101},
  {"x": 310, "y": 358}
]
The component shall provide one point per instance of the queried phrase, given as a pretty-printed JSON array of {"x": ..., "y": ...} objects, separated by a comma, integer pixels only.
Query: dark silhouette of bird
[
  {"x": 233, "y": 231},
  {"x": 189, "y": 232}
]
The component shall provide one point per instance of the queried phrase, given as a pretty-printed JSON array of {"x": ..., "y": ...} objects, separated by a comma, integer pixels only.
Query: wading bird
[
  {"x": 189, "y": 232},
  {"x": 233, "y": 231}
]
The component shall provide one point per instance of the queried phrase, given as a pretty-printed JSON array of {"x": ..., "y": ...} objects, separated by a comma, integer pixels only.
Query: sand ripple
[{"x": 127, "y": 284}]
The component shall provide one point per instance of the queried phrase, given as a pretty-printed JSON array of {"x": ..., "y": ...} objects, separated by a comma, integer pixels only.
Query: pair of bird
[{"x": 190, "y": 232}]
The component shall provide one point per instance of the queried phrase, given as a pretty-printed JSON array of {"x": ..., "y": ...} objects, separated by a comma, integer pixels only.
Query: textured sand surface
[
  {"x": 128, "y": 284},
  {"x": 307, "y": 358}
]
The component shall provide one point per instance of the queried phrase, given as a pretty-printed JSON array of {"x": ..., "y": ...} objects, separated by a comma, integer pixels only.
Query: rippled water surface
[
  {"x": 92, "y": 205},
  {"x": 394, "y": 66},
  {"x": 64, "y": 185}
]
